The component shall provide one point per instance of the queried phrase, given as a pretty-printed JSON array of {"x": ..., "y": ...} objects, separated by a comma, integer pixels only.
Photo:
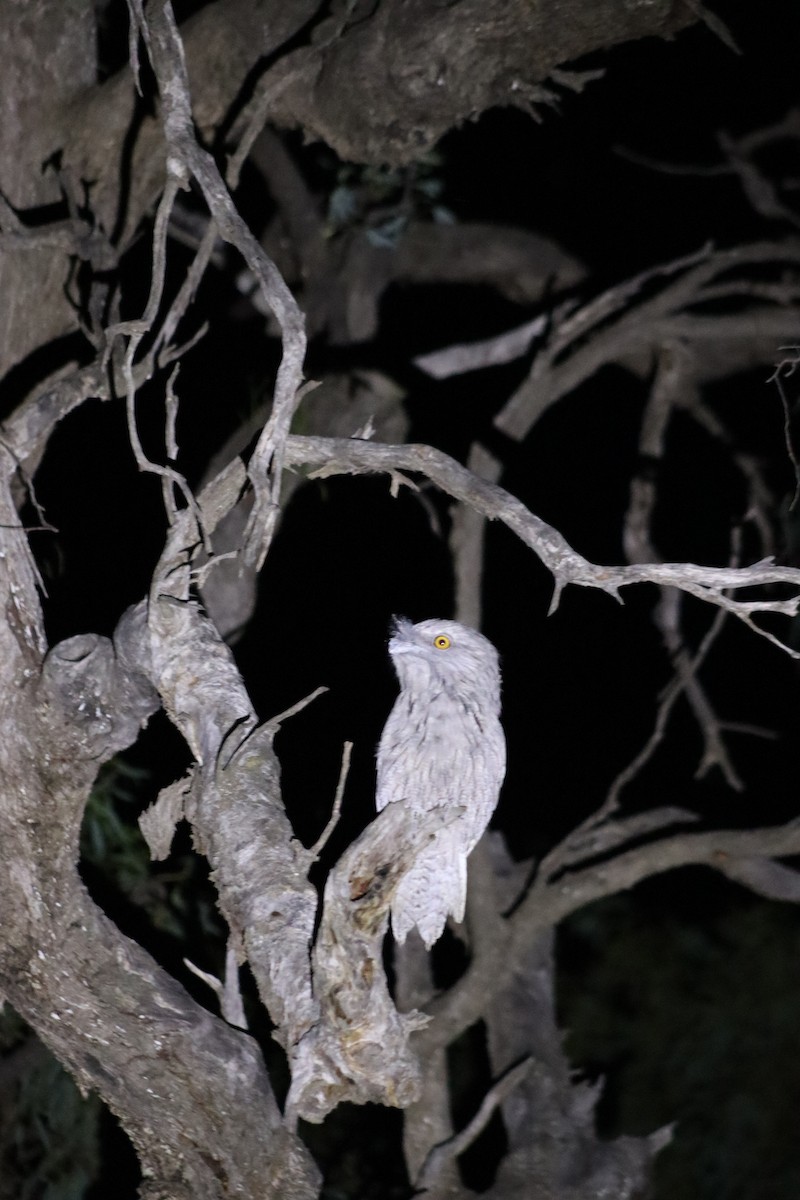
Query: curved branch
[
  {"x": 617, "y": 326},
  {"x": 337, "y": 456},
  {"x": 187, "y": 158},
  {"x": 116, "y": 1020},
  {"x": 235, "y": 803},
  {"x": 549, "y": 901}
]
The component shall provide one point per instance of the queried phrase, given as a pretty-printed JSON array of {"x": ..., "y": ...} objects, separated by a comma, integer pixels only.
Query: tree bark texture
[{"x": 379, "y": 83}]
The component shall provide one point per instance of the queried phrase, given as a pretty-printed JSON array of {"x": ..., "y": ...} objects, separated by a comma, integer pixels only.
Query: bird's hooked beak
[{"x": 401, "y": 640}]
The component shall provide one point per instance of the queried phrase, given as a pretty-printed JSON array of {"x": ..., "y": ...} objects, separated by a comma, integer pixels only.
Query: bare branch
[
  {"x": 599, "y": 835},
  {"x": 760, "y": 191},
  {"x": 551, "y": 903},
  {"x": 627, "y": 332},
  {"x": 714, "y": 23},
  {"x": 761, "y": 500},
  {"x": 550, "y": 900},
  {"x": 226, "y": 990},
  {"x": 266, "y": 464},
  {"x": 490, "y": 352},
  {"x": 335, "y": 456},
  {"x": 358, "y": 1049},
  {"x": 235, "y": 805},
  {"x": 22, "y": 635},
  {"x": 785, "y": 368},
  {"x": 298, "y": 706},
  {"x": 135, "y": 331},
  {"x": 684, "y": 679},
  {"x": 322, "y": 840},
  {"x": 673, "y": 386},
  {"x": 448, "y": 1151},
  {"x": 467, "y": 542},
  {"x": 764, "y": 877}
]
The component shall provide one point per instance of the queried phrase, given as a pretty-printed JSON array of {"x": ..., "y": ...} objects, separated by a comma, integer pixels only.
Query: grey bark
[{"x": 120, "y": 1024}]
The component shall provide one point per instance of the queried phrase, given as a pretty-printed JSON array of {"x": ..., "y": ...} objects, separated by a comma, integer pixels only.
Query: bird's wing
[{"x": 480, "y": 783}]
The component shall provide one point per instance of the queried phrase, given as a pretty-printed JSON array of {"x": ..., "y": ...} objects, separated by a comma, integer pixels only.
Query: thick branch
[
  {"x": 118, "y": 1022},
  {"x": 358, "y": 1050},
  {"x": 550, "y": 900},
  {"x": 423, "y": 68},
  {"x": 235, "y": 803},
  {"x": 128, "y": 1031}
]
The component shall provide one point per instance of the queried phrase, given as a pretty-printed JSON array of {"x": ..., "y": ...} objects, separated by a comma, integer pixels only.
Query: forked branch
[{"x": 342, "y": 456}]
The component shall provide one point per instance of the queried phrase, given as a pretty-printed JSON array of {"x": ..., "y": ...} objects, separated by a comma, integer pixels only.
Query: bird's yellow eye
[{"x": 442, "y": 642}]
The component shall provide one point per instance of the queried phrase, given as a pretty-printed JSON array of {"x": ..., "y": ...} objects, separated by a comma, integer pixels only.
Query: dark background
[{"x": 683, "y": 995}]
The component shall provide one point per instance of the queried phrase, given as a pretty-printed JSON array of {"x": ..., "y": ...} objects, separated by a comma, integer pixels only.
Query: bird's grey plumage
[{"x": 442, "y": 746}]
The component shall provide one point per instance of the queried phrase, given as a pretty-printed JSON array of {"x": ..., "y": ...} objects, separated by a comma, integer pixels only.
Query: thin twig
[
  {"x": 135, "y": 331},
  {"x": 672, "y": 387},
  {"x": 687, "y": 672},
  {"x": 227, "y": 991},
  {"x": 267, "y": 461},
  {"x": 170, "y": 437},
  {"x": 322, "y": 840},
  {"x": 777, "y": 378},
  {"x": 187, "y": 291},
  {"x": 274, "y": 722},
  {"x": 447, "y": 1151}
]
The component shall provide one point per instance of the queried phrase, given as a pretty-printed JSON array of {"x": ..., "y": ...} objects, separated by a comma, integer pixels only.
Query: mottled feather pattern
[{"x": 442, "y": 746}]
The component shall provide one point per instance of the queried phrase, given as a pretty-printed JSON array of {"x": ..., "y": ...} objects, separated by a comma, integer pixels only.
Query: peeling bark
[{"x": 379, "y": 83}]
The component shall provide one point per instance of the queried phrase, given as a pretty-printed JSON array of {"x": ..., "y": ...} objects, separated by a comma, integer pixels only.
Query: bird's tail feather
[{"x": 434, "y": 888}]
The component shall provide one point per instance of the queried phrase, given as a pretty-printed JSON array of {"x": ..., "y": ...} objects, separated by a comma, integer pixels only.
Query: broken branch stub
[{"x": 359, "y": 1050}]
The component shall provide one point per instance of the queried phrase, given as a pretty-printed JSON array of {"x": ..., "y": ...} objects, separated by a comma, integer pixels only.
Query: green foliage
[
  {"x": 49, "y": 1134},
  {"x": 113, "y": 846},
  {"x": 691, "y": 1016},
  {"x": 382, "y": 200},
  {"x": 49, "y": 1143},
  {"x": 110, "y": 839}
]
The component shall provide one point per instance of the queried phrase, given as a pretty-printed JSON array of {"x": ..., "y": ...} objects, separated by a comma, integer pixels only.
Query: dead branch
[
  {"x": 358, "y": 1048},
  {"x": 673, "y": 386},
  {"x": 226, "y": 989},
  {"x": 614, "y": 328},
  {"x": 336, "y": 456},
  {"x": 186, "y": 158},
  {"x": 447, "y": 1152},
  {"x": 740, "y": 162},
  {"x": 763, "y": 876},
  {"x": 324, "y": 837},
  {"x": 551, "y": 899},
  {"x": 473, "y": 356},
  {"x": 713, "y": 848}
]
